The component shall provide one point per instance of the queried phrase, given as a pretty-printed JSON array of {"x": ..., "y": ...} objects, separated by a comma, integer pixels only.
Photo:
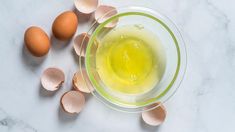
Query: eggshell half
[
  {"x": 86, "y": 6},
  {"x": 104, "y": 12},
  {"x": 80, "y": 84},
  {"x": 52, "y": 79},
  {"x": 72, "y": 102},
  {"x": 156, "y": 116},
  {"x": 78, "y": 41}
]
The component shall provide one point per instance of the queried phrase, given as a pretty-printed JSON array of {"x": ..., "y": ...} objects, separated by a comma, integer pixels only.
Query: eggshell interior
[
  {"x": 104, "y": 12},
  {"x": 79, "y": 82},
  {"x": 72, "y": 102},
  {"x": 80, "y": 44},
  {"x": 52, "y": 79},
  {"x": 156, "y": 116},
  {"x": 86, "y": 6}
]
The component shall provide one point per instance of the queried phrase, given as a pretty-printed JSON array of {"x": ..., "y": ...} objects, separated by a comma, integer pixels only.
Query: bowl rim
[{"x": 141, "y": 11}]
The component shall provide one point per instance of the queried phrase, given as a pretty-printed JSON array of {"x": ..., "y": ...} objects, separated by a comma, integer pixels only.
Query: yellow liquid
[{"x": 130, "y": 60}]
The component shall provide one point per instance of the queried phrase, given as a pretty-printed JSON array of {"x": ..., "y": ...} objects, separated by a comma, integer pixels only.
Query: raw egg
[
  {"x": 36, "y": 41},
  {"x": 65, "y": 25}
]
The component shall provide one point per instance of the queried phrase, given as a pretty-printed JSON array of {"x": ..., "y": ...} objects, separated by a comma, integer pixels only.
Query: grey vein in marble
[{"x": 11, "y": 124}]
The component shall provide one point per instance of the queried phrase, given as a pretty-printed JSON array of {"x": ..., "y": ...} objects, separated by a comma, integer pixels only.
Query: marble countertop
[{"x": 205, "y": 102}]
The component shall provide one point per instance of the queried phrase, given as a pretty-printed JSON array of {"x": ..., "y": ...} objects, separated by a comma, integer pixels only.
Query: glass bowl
[{"x": 175, "y": 59}]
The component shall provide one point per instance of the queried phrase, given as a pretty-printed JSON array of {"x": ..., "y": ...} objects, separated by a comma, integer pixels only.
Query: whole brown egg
[
  {"x": 65, "y": 25},
  {"x": 36, "y": 41}
]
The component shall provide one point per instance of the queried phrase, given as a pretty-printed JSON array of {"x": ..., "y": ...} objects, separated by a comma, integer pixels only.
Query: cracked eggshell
[
  {"x": 52, "y": 79},
  {"x": 104, "y": 12},
  {"x": 86, "y": 6},
  {"x": 72, "y": 102},
  {"x": 79, "y": 39},
  {"x": 80, "y": 84},
  {"x": 156, "y": 116}
]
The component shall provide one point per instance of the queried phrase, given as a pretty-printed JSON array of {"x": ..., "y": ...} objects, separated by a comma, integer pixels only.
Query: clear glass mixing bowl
[{"x": 175, "y": 56}]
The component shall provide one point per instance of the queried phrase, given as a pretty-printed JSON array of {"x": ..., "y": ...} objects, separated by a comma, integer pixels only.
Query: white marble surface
[{"x": 205, "y": 101}]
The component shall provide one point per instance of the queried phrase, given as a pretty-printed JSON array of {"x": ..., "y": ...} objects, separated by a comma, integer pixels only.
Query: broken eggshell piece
[
  {"x": 86, "y": 6},
  {"x": 104, "y": 12},
  {"x": 52, "y": 79},
  {"x": 79, "y": 82},
  {"x": 72, "y": 102},
  {"x": 80, "y": 43},
  {"x": 156, "y": 116}
]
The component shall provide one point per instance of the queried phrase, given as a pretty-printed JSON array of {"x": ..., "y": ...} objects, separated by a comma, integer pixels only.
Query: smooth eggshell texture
[
  {"x": 104, "y": 12},
  {"x": 80, "y": 44},
  {"x": 79, "y": 82},
  {"x": 36, "y": 41},
  {"x": 72, "y": 102},
  {"x": 65, "y": 25},
  {"x": 156, "y": 116},
  {"x": 52, "y": 79},
  {"x": 86, "y": 6}
]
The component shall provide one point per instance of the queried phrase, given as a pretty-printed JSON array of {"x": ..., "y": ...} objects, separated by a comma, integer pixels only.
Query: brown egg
[
  {"x": 65, "y": 25},
  {"x": 36, "y": 41}
]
